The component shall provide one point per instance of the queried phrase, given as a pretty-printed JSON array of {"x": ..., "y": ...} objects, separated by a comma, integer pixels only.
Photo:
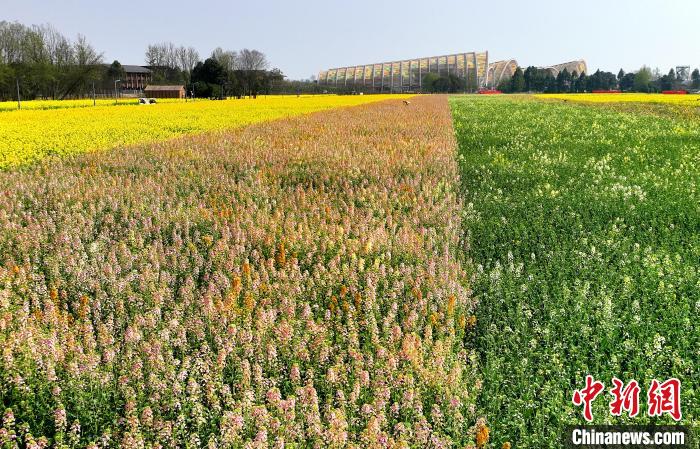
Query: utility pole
[
  {"x": 19, "y": 100},
  {"x": 116, "y": 92},
  {"x": 94, "y": 101}
]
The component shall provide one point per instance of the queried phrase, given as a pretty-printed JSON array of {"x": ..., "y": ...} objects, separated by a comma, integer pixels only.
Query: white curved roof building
[
  {"x": 407, "y": 75},
  {"x": 501, "y": 70},
  {"x": 579, "y": 66}
]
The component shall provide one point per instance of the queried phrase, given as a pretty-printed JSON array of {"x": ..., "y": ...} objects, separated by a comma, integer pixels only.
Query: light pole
[
  {"x": 19, "y": 99},
  {"x": 116, "y": 93}
]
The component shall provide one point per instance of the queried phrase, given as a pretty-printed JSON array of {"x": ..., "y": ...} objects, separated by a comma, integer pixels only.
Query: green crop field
[{"x": 583, "y": 227}]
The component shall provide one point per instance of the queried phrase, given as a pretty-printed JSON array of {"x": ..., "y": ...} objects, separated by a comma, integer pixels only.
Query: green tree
[
  {"x": 536, "y": 79},
  {"x": 428, "y": 83},
  {"x": 668, "y": 81},
  {"x": 7, "y": 79},
  {"x": 627, "y": 82},
  {"x": 581, "y": 84},
  {"x": 455, "y": 83},
  {"x": 550, "y": 84},
  {"x": 272, "y": 78},
  {"x": 574, "y": 80},
  {"x": 208, "y": 77},
  {"x": 46, "y": 63},
  {"x": 642, "y": 79},
  {"x": 471, "y": 81},
  {"x": 529, "y": 78},
  {"x": 116, "y": 71},
  {"x": 505, "y": 85},
  {"x": 563, "y": 81},
  {"x": 517, "y": 82},
  {"x": 695, "y": 79},
  {"x": 620, "y": 75},
  {"x": 433, "y": 83},
  {"x": 672, "y": 80},
  {"x": 442, "y": 85},
  {"x": 594, "y": 82}
]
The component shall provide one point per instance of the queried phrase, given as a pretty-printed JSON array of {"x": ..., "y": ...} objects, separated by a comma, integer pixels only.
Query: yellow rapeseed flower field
[
  {"x": 691, "y": 99},
  {"x": 31, "y": 134}
]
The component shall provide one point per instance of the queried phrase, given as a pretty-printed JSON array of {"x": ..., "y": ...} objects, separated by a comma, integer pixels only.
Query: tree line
[
  {"x": 230, "y": 73},
  {"x": 451, "y": 83},
  {"x": 40, "y": 62},
  {"x": 534, "y": 79},
  {"x": 224, "y": 73}
]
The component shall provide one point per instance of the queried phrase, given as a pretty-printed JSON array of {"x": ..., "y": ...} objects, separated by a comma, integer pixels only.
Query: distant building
[
  {"x": 501, "y": 70},
  {"x": 473, "y": 68},
  {"x": 164, "y": 91},
  {"x": 136, "y": 77},
  {"x": 407, "y": 75},
  {"x": 578, "y": 66}
]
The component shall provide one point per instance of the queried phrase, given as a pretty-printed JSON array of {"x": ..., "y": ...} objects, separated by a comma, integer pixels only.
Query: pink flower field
[{"x": 296, "y": 283}]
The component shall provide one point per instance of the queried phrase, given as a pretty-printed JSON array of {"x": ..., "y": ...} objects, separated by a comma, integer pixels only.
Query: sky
[{"x": 301, "y": 38}]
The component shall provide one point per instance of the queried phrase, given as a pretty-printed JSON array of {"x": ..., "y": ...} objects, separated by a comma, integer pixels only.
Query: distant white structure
[
  {"x": 579, "y": 66},
  {"x": 501, "y": 70},
  {"x": 407, "y": 75},
  {"x": 683, "y": 73}
]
